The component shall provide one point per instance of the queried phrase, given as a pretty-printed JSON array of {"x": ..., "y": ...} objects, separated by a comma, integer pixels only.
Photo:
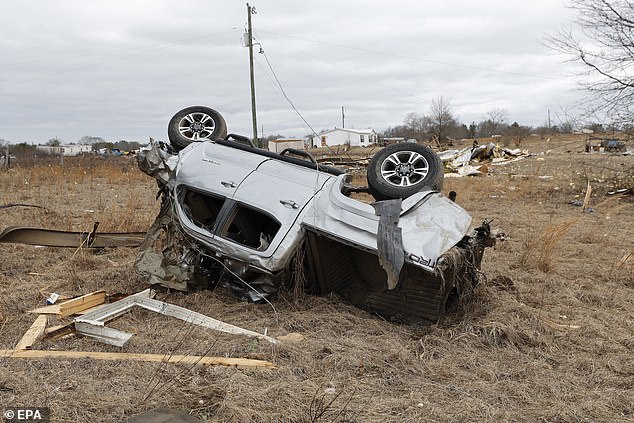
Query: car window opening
[
  {"x": 251, "y": 228},
  {"x": 202, "y": 209}
]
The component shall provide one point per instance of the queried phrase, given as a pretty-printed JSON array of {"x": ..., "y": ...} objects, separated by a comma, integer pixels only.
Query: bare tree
[
  {"x": 54, "y": 142},
  {"x": 497, "y": 117},
  {"x": 416, "y": 126},
  {"x": 494, "y": 123},
  {"x": 442, "y": 119},
  {"x": 89, "y": 140},
  {"x": 602, "y": 40},
  {"x": 516, "y": 133}
]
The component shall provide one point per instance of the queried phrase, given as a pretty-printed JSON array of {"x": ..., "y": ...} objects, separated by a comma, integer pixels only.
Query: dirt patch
[{"x": 547, "y": 336}]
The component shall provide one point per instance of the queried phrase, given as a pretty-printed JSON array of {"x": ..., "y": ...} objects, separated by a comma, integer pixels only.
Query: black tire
[
  {"x": 195, "y": 123},
  {"x": 403, "y": 169}
]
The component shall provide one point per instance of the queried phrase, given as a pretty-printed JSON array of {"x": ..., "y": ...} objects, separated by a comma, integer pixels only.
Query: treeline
[{"x": 441, "y": 124}]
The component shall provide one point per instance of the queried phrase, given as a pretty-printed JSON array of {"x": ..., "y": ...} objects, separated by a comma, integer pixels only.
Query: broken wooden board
[
  {"x": 59, "y": 331},
  {"x": 35, "y": 332},
  {"x": 74, "y": 306},
  {"x": 49, "y": 309},
  {"x": 586, "y": 199},
  {"x": 84, "y": 302},
  {"x": 157, "y": 358}
]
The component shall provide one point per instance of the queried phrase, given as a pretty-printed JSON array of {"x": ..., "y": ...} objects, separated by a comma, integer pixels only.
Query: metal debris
[{"x": 69, "y": 239}]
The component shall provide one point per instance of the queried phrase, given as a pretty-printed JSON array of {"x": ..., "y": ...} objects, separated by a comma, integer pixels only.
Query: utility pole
[
  {"x": 343, "y": 118},
  {"x": 251, "y": 11},
  {"x": 549, "y": 120}
]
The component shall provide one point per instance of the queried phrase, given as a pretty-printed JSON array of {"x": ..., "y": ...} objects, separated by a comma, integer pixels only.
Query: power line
[
  {"x": 402, "y": 56},
  {"x": 284, "y": 92},
  {"x": 353, "y": 72}
]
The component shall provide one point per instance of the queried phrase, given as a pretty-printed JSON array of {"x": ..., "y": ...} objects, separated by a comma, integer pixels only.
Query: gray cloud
[{"x": 120, "y": 69}]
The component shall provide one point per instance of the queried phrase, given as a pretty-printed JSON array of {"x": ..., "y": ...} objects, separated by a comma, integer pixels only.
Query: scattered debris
[
  {"x": 473, "y": 160},
  {"x": 622, "y": 191},
  {"x": 92, "y": 325},
  {"x": 52, "y": 298},
  {"x": 605, "y": 145}
]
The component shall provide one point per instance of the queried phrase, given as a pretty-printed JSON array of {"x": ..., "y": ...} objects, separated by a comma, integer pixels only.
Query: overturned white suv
[{"x": 255, "y": 221}]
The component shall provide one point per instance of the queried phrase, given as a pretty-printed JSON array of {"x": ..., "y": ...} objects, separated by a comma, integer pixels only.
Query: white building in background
[
  {"x": 345, "y": 136},
  {"x": 281, "y": 144},
  {"x": 65, "y": 150}
]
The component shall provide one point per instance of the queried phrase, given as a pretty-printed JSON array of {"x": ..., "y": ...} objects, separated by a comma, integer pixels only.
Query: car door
[{"x": 282, "y": 191}]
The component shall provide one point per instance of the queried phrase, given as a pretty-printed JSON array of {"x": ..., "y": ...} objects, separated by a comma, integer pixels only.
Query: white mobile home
[{"x": 344, "y": 136}]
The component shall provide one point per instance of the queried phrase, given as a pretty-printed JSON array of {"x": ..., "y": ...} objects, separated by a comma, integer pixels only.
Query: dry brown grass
[
  {"x": 541, "y": 248},
  {"x": 531, "y": 345}
]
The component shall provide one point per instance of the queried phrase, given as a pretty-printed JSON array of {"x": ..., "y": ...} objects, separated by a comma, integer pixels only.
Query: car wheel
[
  {"x": 195, "y": 123},
  {"x": 403, "y": 169}
]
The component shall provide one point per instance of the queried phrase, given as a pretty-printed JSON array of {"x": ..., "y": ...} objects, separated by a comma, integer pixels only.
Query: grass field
[{"x": 548, "y": 335}]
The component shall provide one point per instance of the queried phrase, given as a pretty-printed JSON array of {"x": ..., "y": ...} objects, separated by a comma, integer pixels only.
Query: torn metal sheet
[
  {"x": 55, "y": 238},
  {"x": 162, "y": 257},
  {"x": 157, "y": 162},
  {"x": 97, "y": 318},
  {"x": 389, "y": 239},
  {"x": 468, "y": 161}
]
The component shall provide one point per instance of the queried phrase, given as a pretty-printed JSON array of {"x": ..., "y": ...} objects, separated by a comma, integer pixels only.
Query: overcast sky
[{"x": 120, "y": 69}]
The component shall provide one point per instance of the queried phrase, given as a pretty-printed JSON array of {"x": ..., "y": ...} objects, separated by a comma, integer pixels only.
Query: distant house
[
  {"x": 281, "y": 144},
  {"x": 344, "y": 136},
  {"x": 65, "y": 150}
]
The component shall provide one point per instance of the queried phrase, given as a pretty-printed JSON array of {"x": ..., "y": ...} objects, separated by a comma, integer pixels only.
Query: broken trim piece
[
  {"x": 97, "y": 318},
  {"x": 54, "y": 238}
]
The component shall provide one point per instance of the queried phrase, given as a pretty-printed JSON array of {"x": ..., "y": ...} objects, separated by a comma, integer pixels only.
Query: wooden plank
[
  {"x": 82, "y": 303},
  {"x": 34, "y": 333},
  {"x": 74, "y": 306},
  {"x": 50, "y": 309},
  {"x": 586, "y": 199},
  {"x": 157, "y": 358},
  {"x": 59, "y": 331}
]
